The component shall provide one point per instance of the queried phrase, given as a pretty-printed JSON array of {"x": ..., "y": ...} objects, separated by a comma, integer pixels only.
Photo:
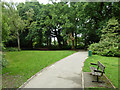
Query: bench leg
[{"x": 98, "y": 80}]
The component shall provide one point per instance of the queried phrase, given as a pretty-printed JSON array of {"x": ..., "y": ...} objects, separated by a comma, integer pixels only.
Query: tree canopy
[{"x": 57, "y": 25}]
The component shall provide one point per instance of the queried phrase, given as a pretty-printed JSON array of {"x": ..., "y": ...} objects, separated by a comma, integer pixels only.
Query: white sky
[{"x": 40, "y": 1}]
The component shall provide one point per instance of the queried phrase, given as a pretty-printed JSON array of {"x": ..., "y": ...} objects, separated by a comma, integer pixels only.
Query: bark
[
  {"x": 47, "y": 42},
  {"x": 18, "y": 37},
  {"x": 64, "y": 42},
  {"x": 59, "y": 41},
  {"x": 73, "y": 47},
  {"x": 18, "y": 40},
  {"x": 31, "y": 44},
  {"x": 50, "y": 41},
  {"x": 54, "y": 41},
  {"x": 101, "y": 8},
  {"x": 75, "y": 40},
  {"x": 58, "y": 37}
]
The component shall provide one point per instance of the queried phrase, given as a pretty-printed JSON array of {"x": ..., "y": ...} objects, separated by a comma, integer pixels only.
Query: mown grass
[
  {"x": 24, "y": 64},
  {"x": 111, "y": 64}
]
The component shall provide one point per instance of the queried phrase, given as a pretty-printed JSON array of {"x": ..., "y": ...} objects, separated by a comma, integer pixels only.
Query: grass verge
[
  {"x": 111, "y": 64},
  {"x": 24, "y": 64}
]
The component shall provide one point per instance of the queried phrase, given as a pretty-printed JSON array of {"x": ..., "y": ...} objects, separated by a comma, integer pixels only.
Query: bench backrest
[{"x": 101, "y": 66}]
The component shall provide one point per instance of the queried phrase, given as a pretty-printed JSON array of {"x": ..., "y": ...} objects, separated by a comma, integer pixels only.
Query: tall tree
[{"x": 16, "y": 24}]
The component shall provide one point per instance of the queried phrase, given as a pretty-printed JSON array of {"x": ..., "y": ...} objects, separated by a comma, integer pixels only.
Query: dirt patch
[{"x": 10, "y": 81}]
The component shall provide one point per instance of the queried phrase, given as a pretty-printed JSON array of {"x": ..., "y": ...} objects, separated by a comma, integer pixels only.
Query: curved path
[{"x": 66, "y": 73}]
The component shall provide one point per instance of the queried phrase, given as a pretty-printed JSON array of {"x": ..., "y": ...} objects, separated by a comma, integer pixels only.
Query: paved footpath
[{"x": 66, "y": 73}]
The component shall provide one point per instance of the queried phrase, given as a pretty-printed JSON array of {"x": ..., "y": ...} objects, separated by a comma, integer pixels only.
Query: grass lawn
[
  {"x": 24, "y": 64},
  {"x": 111, "y": 64}
]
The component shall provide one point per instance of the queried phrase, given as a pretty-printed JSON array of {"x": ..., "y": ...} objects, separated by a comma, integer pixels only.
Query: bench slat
[
  {"x": 101, "y": 66},
  {"x": 95, "y": 73}
]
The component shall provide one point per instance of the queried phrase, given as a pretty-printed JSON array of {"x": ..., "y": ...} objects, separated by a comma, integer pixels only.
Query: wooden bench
[{"x": 99, "y": 71}]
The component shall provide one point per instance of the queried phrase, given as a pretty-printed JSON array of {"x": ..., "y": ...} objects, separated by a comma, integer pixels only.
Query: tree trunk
[
  {"x": 85, "y": 41},
  {"x": 75, "y": 40},
  {"x": 101, "y": 9},
  {"x": 57, "y": 33},
  {"x": 47, "y": 42},
  {"x": 18, "y": 40},
  {"x": 54, "y": 41},
  {"x": 31, "y": 44},
  {"x": 64, "y": 42},
  {"x": 50, "y": 41},
  {"x": 59, "y": 41}
]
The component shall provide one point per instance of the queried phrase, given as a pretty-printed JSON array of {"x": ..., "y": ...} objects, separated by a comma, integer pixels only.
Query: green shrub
[
  {"x": 109, "y": 42},
  {"x": 81, "y": 46},
  {"x": 52, "y": 47},
  {"x": 3, "y": 61},
  {"x": 10, "y": 49},
  {"x": 67, "y": 47}
]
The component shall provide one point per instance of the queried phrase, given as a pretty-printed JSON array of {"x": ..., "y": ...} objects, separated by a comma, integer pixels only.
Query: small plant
[
  {"x": 10, "y": 49},
  {"x": 3, "y": 61}
]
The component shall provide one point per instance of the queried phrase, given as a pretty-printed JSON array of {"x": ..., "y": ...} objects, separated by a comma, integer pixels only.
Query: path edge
[
  {"x": 25, "y": 83},
  {"x": 83, "y": 86},
  {"x": 110, "y": 81}
]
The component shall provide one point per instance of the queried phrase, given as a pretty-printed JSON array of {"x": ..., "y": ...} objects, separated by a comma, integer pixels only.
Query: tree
[
  {"x": 16, "y": 24},
  {"x": 5, "y": 23},
  {"x": 30, "y": 12},
  {"x": 82, "y": 20}
]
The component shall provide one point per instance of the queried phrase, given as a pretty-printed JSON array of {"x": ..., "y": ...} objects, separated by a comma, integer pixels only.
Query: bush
[
  {"x": 3, "y": 61},
  {"x": 10, "y": 49},
  {"x": 109, "y": 42},
  {"x": 105, "y": 49},
  {"x": 67, "y": 47},
  {"x": 52, "y": 47},
  {"x": 81, "y": 46}
]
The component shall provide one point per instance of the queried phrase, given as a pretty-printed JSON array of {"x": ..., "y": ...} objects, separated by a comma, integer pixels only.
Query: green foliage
[
  {"x": 13, "y": 25},
  {"x": 67, "y": 47},
  {"x": 3, "y": 60},
  {"x": 81, "y": 46},
  {"x": 35, "y": 24},
  {"x": 10, "y": 49},
  {"x": 109, "y": 43},
  {"x": 5, "y": 24},
  {"x": 2, "y": 45}
]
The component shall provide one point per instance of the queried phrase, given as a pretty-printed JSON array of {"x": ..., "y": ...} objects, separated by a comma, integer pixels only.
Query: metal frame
[{"x": 99, "y": 72}]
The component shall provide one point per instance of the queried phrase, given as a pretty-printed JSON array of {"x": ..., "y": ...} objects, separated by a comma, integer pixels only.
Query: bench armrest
[
  {"x": 93, "y": 64},
  {"x": 98, "y": 71}
]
